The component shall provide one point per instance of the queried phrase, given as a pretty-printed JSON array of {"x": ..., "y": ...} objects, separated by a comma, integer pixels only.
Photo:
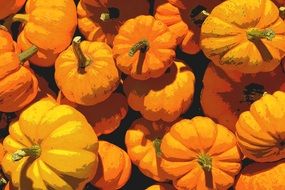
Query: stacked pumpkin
[{"x": 67, "y": 123}]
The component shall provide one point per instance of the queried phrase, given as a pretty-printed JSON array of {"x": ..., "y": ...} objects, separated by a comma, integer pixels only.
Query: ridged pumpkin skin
[
  {"x": 164, "y": 98},
  {"x": 248, "y": 36},
  {"x": 259, "y": 176},
  {"x": 114, "y": 169},
  {"x": 143, "y": 145},
  {"x": 144, "y": 48},
  {"x": 92, "y": 84},
  {"x": 189, "y": 143},
  {"x": 10, "y": 7},
  {"x": 18, "y": 84},
  {"x": 226, "y": 94},
  {"x": 95, "y": 29},
  {"x": 68, "y": 148},
  {"x": 160, "y": 187},
  {"x": 50, "y": 26},
  {"x": 260, "y": 131}
]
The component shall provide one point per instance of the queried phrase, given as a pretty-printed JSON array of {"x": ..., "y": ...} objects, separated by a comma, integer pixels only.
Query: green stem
[
  {"x": 282, "y": 12},
  {"x": 3, "y": 181},
  {"x": 256, "y": 33},
  {"x": 156, "y": 144},
  {"x": 15, "y": 18},
  {"x": 83, "y": 61},
  {"x": 27, "y": 54},
  {"x": 33, "y": 151},
  {"x": 142, "y": 45},
  {"x": 205, "y": 161}
]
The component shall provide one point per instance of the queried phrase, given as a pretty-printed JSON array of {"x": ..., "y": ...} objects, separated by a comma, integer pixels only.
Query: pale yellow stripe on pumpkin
[
  {"x": 16, "y": 133},
  {"x": 11, "y": 145},
  {"x": 33, "y": 173},
  {"x": 189, "y": 180}
]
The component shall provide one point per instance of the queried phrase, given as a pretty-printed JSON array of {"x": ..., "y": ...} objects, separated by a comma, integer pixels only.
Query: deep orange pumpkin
[
  {"x": 161, "y": 186},
  {"x": 10, "y": 7}
]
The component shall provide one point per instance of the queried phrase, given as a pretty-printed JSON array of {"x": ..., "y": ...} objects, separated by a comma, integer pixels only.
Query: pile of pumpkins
[{"x": 122, "y": 60}]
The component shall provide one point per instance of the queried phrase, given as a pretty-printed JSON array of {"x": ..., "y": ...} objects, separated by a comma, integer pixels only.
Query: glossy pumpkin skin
[
  {"x": 149, "y": 61},
  {"x": 10, "y": 7},
  {"x": 230, "y": 39},
  {"x": 226, "y": 94},
  {"x": 18, "y": 85},
  {"x": 164, "y": 98},
  {"x": 80, "y": 86},
  {"x": 114, "y": 167},
  {"x": 258, "y": 176},
  {"x": 161, "y": 187},
  {"x": 50, "y": 26},
  {"x": 62, "y": 162},
  {"x": 187, "y": 141},
  {"x": 95, "y": 29},
  {"x": 260, "y": 131}
]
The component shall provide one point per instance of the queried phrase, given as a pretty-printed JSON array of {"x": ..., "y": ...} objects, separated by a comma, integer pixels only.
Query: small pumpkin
[
  {"x": 164, "y": 98},
  {"x": 259, "y": 176},
  {"x": 248, "y": 36},
  {"x": 86, "y": 73},
  {"x": 100, "y": 20},
  {"x": 260, "y": 130},
  {"x": 226, "y": 94},
  {"x": 50, "y": 159},
  {"x": 114, "y": 167},
  {"x": 162, "y": 186},
  {"x": 10, "y": 7},
  {"x": 143, "y": 140},
  {"x": 144, "y": 48},
  {"x": 200, "y": 154},
  {"x": 18, "y": 85},
  {"x": 49, "y": 25}
]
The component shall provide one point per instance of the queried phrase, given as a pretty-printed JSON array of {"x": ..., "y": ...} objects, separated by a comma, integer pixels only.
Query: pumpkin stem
[
  {"x": 252, "y": 92},
  {"x": 15, "y": 18},
  {"x": 199, "y": 15},
  {"x": 205, "y": 161},
  {"x": 33, "y": 151},
  {"x": 282, "y": 12},
  {"x": 83, "y": 61},
  {"x": 256, "y": 33},
  {"x": 3, "y": 181},
  {"x": 111, "y": 14},
  {"x": 27, "y": 54},
  {"x": 156, "y": 143},
  {"x": 142, "y": 45}
]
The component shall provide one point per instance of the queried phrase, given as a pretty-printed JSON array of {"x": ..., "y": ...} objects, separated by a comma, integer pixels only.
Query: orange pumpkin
[
  {"x": 10, "y": 7},
  {"x": 260, "y": 131},
  {"x": 258, "y": 176},
  {"x": 144, "y": 48},
  {"x": 161, "y": 186},
  {"x": 114, "y": 168},
  {"x": 86, "y": 73},
  {"x": 143, "y": 140},
  {"x": 100, "y": 20},
  {"x": 49, "y": 25},
  {"x": 164, "y": 98},
  {"x": 248, "y": 36},
  {"x": 226, "y": 95},
  {"x": 200, "y": 154},
  {"x": 18, "y": 85},
  {"x": 184, "y": 17}
]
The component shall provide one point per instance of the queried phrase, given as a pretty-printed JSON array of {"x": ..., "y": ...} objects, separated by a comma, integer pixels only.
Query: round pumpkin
[
  {"x": 164, "y": 98},
  {"x": 100, "y": 20},
  {"x": 225, "y": 95},
  {"x": 200, "y": 154},
  {"x": 10, "y": 7},
  {"x": 114, "y": 167},
  {"x": 18, "y": 85},
  {"x": 144, "y": 48},
  {"x": 259, "y": 176},
  {"x": 248, "y": 36},
  {"x": 161, "y": 186},
  {"x": 49, "y": 25},
  {"x": 260, "y": 130},
  {"x": 51, "y": 146},
  {"x": 143, "y": 140},
  {"x": 86, "y": 73}
]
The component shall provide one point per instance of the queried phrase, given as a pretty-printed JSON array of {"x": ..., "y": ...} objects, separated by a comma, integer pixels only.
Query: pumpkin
[
  {"x": 183, "y": 19},
  {"x": 86, "y": 73},
  {"x": 143, "y": 140},
  {"x": 100, "y": 20},
  {"x": 248, "y": 36},
  {"x": 226, "y": 95},
  {"x": 200, "y": 154},
  {"x": 161, "y": 186},
  {"x": 10, "y": 7},
  {"x": 259, "y": 176},
  {"x": 260, "y": 130},
  {"x": 8, "y": 186},
  {"x": 114, "y": 167},
  {"x": 164, "y": 98},
  {"x": 144, "y": 48},
  {"x": 18, "y": 85},
  {"x": 63, "y": 155},
  {"x": 49, "y": 25}
]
